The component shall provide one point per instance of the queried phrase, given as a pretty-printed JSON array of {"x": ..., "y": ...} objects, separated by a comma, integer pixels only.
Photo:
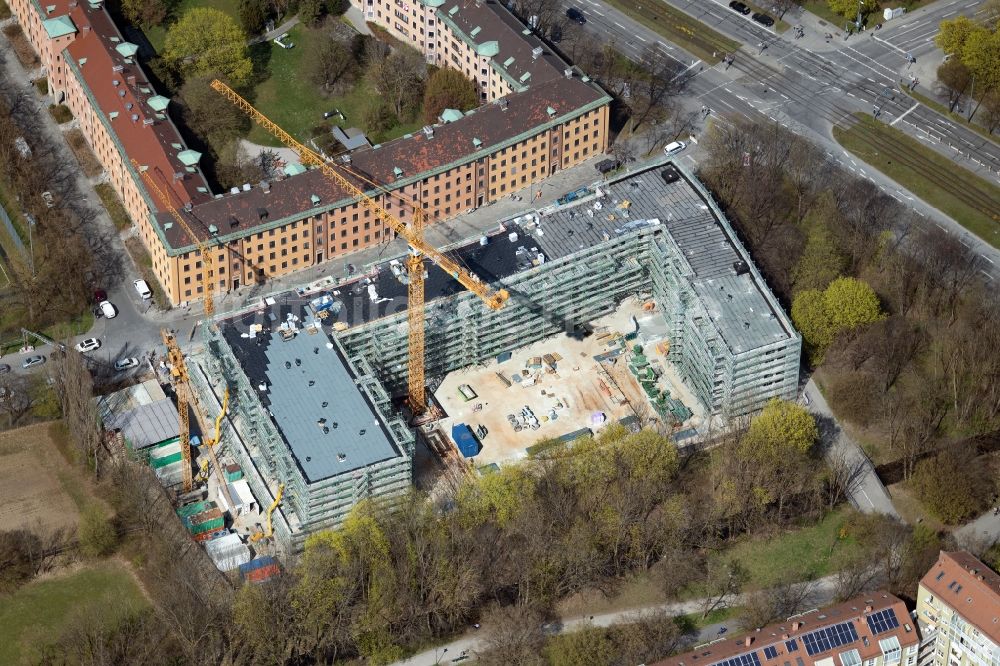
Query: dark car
[
  {"x": 574, "y": 14},
  {"x": 739, "y": 7},
  {"x": 100, "y": 295},
  {"x": 4, "y": 368},
  {"x": 555, "y": 34},
  {"x": 763, "y": 19}
]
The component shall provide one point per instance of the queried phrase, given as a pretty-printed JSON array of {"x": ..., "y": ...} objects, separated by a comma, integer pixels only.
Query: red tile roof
[
  {"x": 94, "y": 54},
  {"x": 452, "y": 143},
  {"x": 968, "y": 586},
  {"x": 854, "y": 611}
]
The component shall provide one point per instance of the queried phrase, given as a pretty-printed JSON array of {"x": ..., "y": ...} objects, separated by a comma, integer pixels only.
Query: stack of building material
[
  {"x": 227, "y": 551},
  {"x": 167, "y": 463},
  {"x": 259, "y": 570}
]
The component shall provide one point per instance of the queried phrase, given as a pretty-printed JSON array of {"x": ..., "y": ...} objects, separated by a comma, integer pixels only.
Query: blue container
[
  {"x": 465, "y": 439},
  {"x": 257, "y": 563}
]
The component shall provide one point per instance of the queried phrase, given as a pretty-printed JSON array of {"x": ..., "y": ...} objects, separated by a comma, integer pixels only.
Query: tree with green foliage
[
  {"x": 209, "y": 114},
  {"x": 95, "y": 533},
  {"x": 810, "y": 318},
  {"x": 851, "y": 303},
  {"x": 780, "y": 429},
  {"x": 954, "y": 33},
  {"x": 146, "y": 13},
  {"x": 981, "y": 54},
  {"x": 849, "y": 8},
  {"x": 448, "y": 89},
  {"x": 821, "y": 261},
  {"x": 254, "y": 15},
  {"x": 311, "y": 11},
  {"x": 954, "y": 485},
  {"x": 207, "y": 40}
]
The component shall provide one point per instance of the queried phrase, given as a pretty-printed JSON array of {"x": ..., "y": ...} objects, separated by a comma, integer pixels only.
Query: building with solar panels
[
  {"x": 871, "y": 630},
  {"x": 958, "y": 610}
]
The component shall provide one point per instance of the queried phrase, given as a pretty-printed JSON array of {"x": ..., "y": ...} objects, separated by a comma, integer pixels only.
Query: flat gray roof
[
  {"x": 736, "y": 303},
  {"x": 146, "y": 424},
  {"x": 308, "y": 382}
]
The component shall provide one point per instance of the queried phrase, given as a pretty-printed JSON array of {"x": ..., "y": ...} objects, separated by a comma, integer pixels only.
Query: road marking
[
  {"x": 905, "y": 113},
  {"x": 988, "y": 259},
  {"x": 641, "y": 37},
  {"x": 620, "y": 25}
]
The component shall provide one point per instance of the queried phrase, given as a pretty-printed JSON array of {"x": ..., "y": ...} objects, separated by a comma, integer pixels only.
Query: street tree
[
  {"x": 954, "y": 33},
  {"x": 781, "y": 429},
  {"x": 254, "y": 15},
  {"x": 955, "y": 77},
  {"x": 658, "y": 78},
  {"x": 207, "y": 40},
  {"x": 850, "y": 9},
  {"x": 981, "y": 54},
  {"x": 851, "y": 303},
  {"x": 781, "y": 7},
  {"x": 448, "y": 89}
]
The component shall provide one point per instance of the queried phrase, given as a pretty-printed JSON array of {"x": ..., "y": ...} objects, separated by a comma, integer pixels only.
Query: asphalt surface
[{"x": 810, "y": 84}]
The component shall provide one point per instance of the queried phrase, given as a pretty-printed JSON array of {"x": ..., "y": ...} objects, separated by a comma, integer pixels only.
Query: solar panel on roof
[
  {"x": 770, "y": 652},
  {"x": 824, "y": 640},
  {"x": 791, "y": 645},
  {"x": 748, "y": 659},
  {"x": 882, "y": 621}
]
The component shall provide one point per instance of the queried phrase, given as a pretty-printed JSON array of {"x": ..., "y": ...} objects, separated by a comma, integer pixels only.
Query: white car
[
  {"x": 124, "y": 364},
  {"x": 108, "y": 310},
  {"x": 143, "y": 289},
  {"x": 674, "y": 148},
  {"x": 88, "y": 345}
]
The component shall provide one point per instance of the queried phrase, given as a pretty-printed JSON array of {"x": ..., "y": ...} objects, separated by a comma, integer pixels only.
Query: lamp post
[
  {"x": 437, "y": 658},
  {"x": 31, "y": 241}
]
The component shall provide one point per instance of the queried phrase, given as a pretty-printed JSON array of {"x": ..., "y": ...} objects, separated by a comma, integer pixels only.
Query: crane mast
[{"x": 412, "y": 233}]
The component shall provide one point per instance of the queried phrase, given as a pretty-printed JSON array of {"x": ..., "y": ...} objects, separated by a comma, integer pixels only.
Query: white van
[
  {"x": 143, "y": 289},
  {"x": 674, "y": 148}
]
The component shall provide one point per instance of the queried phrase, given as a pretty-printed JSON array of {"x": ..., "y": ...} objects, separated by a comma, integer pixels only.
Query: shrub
[
  {"x": 61, "y": 113},
  {"x": 96, "y": 533},
  {"x": 43, "y": 85},
  {"x": 953, "y": 485}
]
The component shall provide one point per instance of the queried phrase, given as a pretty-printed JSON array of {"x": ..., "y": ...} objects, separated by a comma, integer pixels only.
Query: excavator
[{"x": 269, "y": 529}]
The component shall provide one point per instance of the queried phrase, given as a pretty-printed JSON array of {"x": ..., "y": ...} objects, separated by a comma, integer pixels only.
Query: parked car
[
  {"x": 88, "y": 345},
  {"x": 674, "y": 148},
  {"x": 108, "y": 310},
  {"x": 4, "y": 368},
  {"x": 763, "y": 19},
  {"x": 574, "y": 14},
  {"x": 32, "y": 361},
  {"x": 143, "y": 289},
  {"x": 123, "y": 364},
  {"x": 739, "y": 7},
  {"x": 555, "y": 34}
]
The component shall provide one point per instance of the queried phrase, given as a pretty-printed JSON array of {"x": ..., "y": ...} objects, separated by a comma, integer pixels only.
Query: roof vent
[
  {"x": 397, "y": 172},
  {"x": 345, "y": 158},
  {"x": 868, "y": 609},
  {"x": 265, "y": 186},
  {"x": 796, "y": 625},
  {"x": 167, "y": 226},
  {"x": 504, "y": 103},
  {"x": 748, "y": 641},
  {"x": 429, "y": 131},
  {"x": 234, "y": 190},
  {"x": 537, "y": 52},
  {"x": 476, "y": 142},
  {"x": 135, "y": 117},
  {"x": 741, "y": 267},
  {"x": 315, "y": 199},
  {"x": 148, "y": 121},
  {"x": 212, "y": 229},
  {"x": 116, "y": 83},
  {"x": 129, "y": 105},
  {"x": 341, "y": 457},
  {"x": 188, "y": 207},
  {"x": 568, "y": 72},
  {"x": 549, "y": 110},
  {"x": 246, "y": 187},
  {"x": 121, "y": 93}
]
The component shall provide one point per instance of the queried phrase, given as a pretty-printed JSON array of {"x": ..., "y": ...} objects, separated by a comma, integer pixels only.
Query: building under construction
[{"x": 312, "y": 374}]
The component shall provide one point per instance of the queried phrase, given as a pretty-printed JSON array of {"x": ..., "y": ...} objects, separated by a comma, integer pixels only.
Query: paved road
[
  {"x": 984, "y": 529},
  {"x": 820, "y": 593},
  {"x": 809, "y": 85},
  {"x": 865, "y": 490}
]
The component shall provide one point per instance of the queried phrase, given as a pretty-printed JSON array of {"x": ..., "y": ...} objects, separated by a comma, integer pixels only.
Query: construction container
[
  {"x": 465, "y": 440},
  {"x": 227, "y": 551},
  {"x": 161, "y": 456},
  {"x": 233, "y": 472},
  {"x": 206, "y": 521},
  {"x": 193, "y": 509},
  {"x": 204, "y": 537},
  {"x": 259, "y": 570},
  {"x": 242, "y": 497}
]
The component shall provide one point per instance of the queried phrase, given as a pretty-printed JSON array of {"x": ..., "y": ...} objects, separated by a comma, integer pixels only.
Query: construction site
[{"x": 634, "y": 303}]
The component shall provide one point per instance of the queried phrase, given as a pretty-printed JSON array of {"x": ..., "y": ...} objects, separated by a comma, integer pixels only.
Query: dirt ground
[
  {"x": 84, "y": 155},
  {"x": 30, "y": 470},
  {"x": 579, "y": 393}
]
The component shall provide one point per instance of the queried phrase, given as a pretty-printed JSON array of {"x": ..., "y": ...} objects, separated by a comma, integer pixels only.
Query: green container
[
  {"x": 208, "y": 525},
  {"x": 157, "y": 463},
  {"x": 234, "y": 476},
  {"x": 193, "y": 509}
]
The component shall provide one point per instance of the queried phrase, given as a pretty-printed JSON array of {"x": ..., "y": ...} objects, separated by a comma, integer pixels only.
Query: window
[{"x": 890, "y": 649}]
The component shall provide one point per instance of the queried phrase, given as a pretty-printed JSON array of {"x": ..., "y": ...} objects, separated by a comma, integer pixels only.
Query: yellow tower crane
[
  {"x": 207, "y": 274},
  {"x": 412, "y": 233}
]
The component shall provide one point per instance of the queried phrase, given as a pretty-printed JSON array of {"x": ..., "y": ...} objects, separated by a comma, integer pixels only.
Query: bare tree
[
  {"x": 513, "y": 636},
  {"x": 955, "y": 78}
]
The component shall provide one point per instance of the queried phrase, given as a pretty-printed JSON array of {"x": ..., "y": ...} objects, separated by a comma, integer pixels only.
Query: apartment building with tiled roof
[
  {"x": 870, "y": 630},
  {"x": 540, "y": 116},
  {"x": 958, "y": 610}
]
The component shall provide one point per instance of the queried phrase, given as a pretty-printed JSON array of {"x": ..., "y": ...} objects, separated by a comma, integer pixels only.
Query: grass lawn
[
  {"x": 289, "y": 99},
  {"x": 679, "y": 28},
  {"x": 157, "y": 35},
  {"x": 116, "y": 211},
  {"x": 4, "y": 11},
  {"x": 918, "y": 182},
  {"x": 40, "y": 610},
  {"x": 814, "y": 551}
]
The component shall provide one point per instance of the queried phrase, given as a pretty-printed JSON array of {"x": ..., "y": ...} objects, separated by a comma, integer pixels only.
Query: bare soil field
[{"x": 32, "y": 475}]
